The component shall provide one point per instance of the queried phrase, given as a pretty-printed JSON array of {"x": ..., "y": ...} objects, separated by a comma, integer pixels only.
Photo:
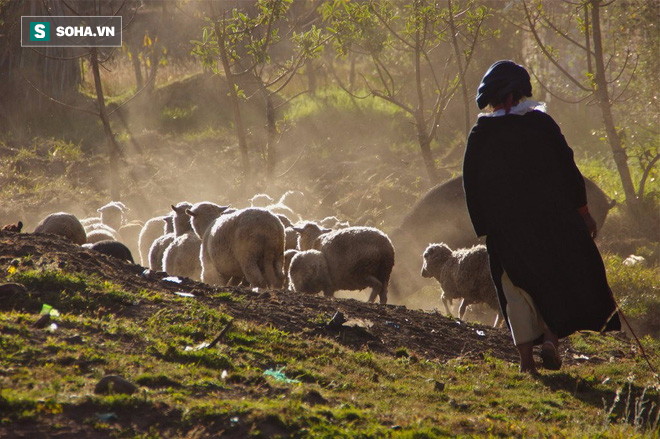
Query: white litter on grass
[
  {"x": 173, "y": 279},
  {"x": 199, "y": 347},
  {"x": 183, "y": 294}
]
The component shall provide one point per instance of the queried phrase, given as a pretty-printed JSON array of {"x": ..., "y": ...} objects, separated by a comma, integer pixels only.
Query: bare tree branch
[
  {"x": 548, "y": 55},
  {"x": 52, "y": 99}
]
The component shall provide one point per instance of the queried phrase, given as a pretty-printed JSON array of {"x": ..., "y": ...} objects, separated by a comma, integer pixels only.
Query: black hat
[{"x": 502, "y": 78}]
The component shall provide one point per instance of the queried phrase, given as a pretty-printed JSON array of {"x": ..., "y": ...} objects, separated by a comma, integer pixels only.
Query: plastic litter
[
  {"x": 107, "y": 417},
  {"x": 46, "y": 309},
  {"x": 183, "y": 294},
  {"x": 393, "y": 325},
  {"x": 278, "y": 375},
  {"x": 173, "y": 279}
]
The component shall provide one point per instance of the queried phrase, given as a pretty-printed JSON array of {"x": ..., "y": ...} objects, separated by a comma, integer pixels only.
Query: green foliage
[
  {"x": 637, "y": 288},
  {"x": 71, "y": 292}
]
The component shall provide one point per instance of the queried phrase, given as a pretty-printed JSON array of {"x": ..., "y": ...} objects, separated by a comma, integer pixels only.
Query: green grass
[{"x": 357, "y": 393}]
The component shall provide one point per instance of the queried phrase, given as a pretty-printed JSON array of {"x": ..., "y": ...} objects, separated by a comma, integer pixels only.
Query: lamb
[
  {"x": 63, "y": 224},
  {"x": 113, "y": 248},
  {"x": 308, "y": 235},
  {"x": 294, "y": 200},
  {"x": 129, "y": 234},
  {"x": 181, "y": 258},
  {"x": 353, "y": 258},
  {"x": 157, "y": 249},
  {"x": 98, "y": 235},
  {"x": 261, "y": 200},
  {"x": 248, "y": 243},
  {"x": 112, "y": 214},
  {"x": 152, "y": 230},
  {"x": 334, "y": 223},
  {"x": 462, "y": 273}
]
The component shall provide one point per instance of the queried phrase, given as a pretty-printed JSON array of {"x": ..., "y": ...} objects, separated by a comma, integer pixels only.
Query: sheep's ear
[
  {"x": 190, "y": 213},
  {"x": 298, "y": 229},
  {"x": 325, "y": 230},
  {"x": 173, "y": 207},
  {"x": 223, "y": 208}
]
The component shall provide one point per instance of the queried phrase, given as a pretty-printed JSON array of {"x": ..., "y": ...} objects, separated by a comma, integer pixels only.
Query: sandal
[{"x": 550, "y": 356}]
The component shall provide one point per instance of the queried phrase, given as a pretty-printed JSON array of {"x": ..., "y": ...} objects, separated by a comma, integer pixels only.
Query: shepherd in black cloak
[{"x": 527, "y": 196}]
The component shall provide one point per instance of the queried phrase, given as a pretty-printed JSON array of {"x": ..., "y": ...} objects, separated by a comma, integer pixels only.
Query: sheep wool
[
  {"x": 248, "y": 243},
  {"x": 353, "y": 258},
  {"x": 462, "y": 274},
  {"x": 63, "y": 224}
]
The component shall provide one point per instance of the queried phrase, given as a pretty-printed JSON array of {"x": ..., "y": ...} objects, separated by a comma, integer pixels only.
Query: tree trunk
[
  {"x": 271, "y": 137},
  {"x": 602, "y": 95},
  {"x": 461, "y": 73},
  {"x": 137, "y": 68},
  {"x": 420, "y": 123},
  {"x": 235, "y": 103},
  {"x": 113, "y": 148}
]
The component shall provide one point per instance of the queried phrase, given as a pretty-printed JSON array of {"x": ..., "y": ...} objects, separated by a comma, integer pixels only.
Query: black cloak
[{"x": 523, "y": 191}]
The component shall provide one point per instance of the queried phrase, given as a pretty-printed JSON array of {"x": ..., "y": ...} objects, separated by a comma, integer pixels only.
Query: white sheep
[
  {"x": 103, "y": 229},
  {"x": 112, "y": 214},
  {"x": 63, "y": 224},
  {"x": 160, "y": 244},
  {"x": 181, "y": 258},
  {"x": 157, "y": 251},
  {"x": 152, "y": 230},
  {"x": 308, "y": 235},
  {"x": 261, "y": 200},
  {"x": 247, "y": 243},
  {"x": 98, "y": 235},
  {"x": 129, "y": 234},
  {"x": 462, "y": 274},
  {"x": 333, "y": 222},
  {"x": 353, "y": 258},
  {"x": 296, "y": 201}
]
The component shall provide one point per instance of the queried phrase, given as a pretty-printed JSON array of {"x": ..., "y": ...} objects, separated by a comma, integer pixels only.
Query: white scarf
[{"x": 520, "y": 109}]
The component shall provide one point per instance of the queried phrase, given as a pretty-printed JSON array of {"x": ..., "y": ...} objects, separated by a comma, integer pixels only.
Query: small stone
[{"x": 115, "y": 384}]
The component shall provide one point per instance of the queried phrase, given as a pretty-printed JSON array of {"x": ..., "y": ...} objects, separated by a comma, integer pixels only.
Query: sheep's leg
[
  {"x": 448, "y": 304},
  {"x": 462, "y": 308},
  {"x": 253, "y": 275},
  {"x": 377, "y": 289},
  {"x": 273, "y": 277},
  {"x": 497, "y": 319},
  {"x": 234, "y": 281},
  {"x": 223, "y": 279},
  {"x": 328, "y": 292}
]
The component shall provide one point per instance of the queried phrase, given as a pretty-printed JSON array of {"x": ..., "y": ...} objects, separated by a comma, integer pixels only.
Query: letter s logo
[{"x": 40, "y": 31}]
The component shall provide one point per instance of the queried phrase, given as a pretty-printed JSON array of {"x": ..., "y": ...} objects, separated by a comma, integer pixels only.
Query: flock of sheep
[{"x": 269, "y": 245}]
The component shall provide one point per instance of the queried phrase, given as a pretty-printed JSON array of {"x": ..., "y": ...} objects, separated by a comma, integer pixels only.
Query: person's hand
[{"x": 591, "y": 224}]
